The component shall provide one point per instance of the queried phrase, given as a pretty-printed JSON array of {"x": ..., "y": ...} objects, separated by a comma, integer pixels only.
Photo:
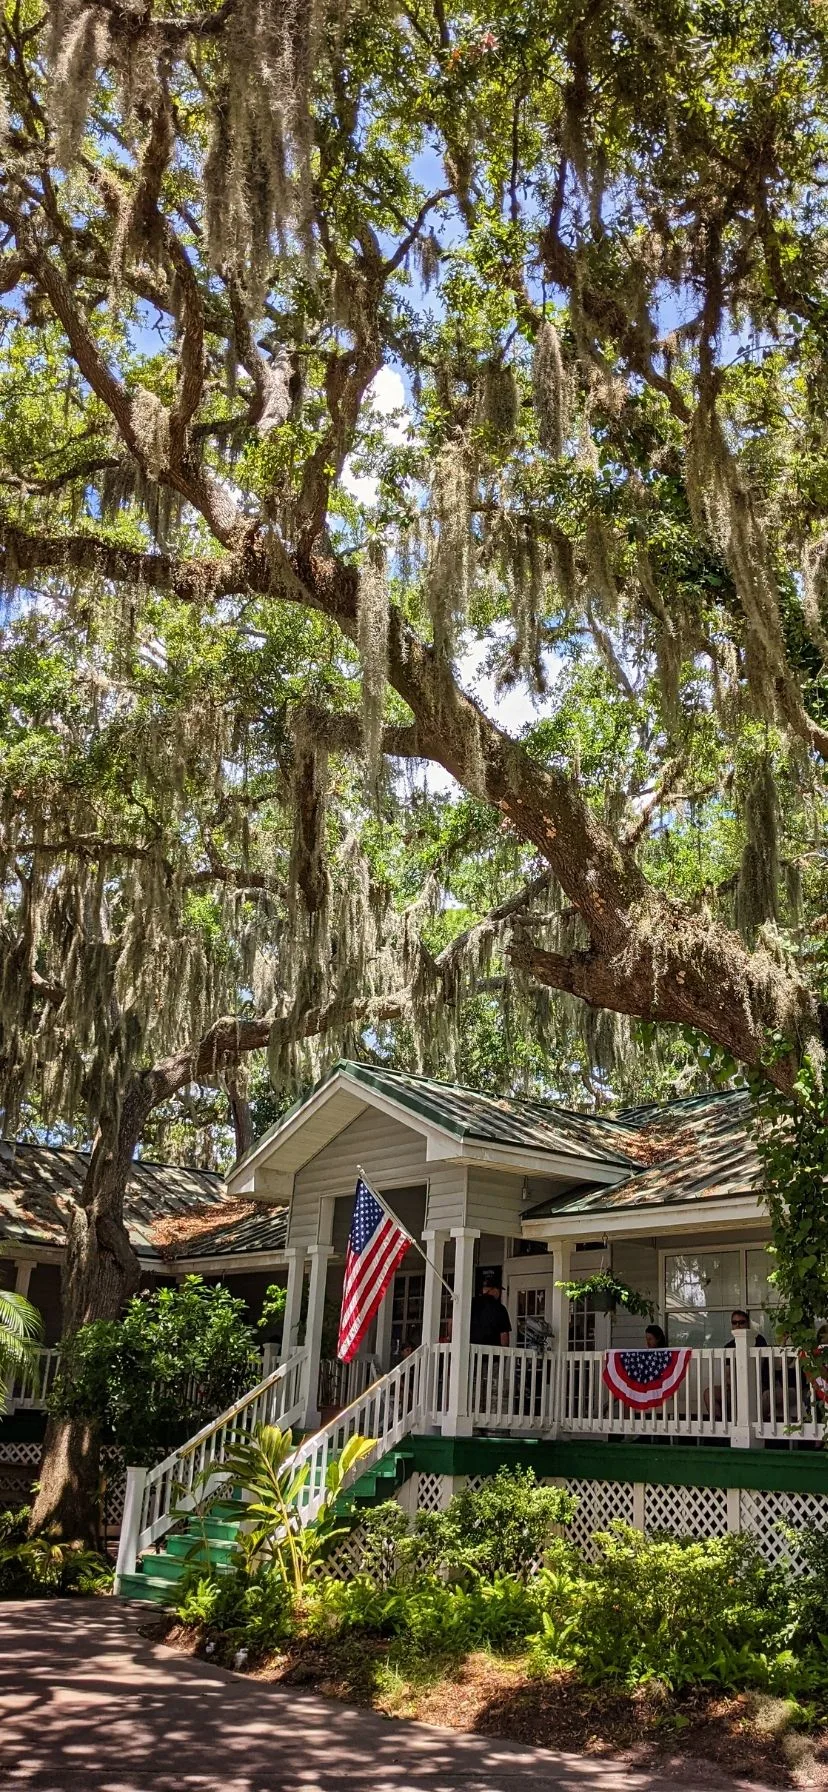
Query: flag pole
[{"x": 398, "y": 1222}]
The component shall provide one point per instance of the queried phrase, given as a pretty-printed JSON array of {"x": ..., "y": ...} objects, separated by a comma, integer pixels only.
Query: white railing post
[
  {"x": 434, "y": 1244},
  {"x": 293, "y": 1299},
  {"x": 131, "y": 1523},
  {"x": 559, "y": 1250},
  {"x": 740, "y": 1437},
  {"x": 457, "y": 1422}
]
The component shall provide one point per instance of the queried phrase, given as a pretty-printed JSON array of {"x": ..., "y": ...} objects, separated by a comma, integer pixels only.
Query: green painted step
[
  {"x": 204, "y": 1543},
  {"x": 154, "y": 1592},
  {"x": 190, "y": 1550}
]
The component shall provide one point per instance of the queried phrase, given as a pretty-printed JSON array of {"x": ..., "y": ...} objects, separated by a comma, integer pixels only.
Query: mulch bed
[{"x": 747, "y": 1735}]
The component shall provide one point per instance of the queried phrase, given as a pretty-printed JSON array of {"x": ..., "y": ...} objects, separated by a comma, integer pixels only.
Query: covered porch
[{"x": 549, "y": 1382}]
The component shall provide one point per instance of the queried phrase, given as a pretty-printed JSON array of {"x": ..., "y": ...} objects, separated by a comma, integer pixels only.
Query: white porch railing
[
  {"x": 30, "y": 1388},
  {"x": 155, "y": 1497},
  {"x": 511, "y": 1389},
  {"x": 784, "y": 1401},
  {"x": 706, "y": 1404},
  {"x": 385, "y": 1413},
  {"x": 340, "y": 1383}
]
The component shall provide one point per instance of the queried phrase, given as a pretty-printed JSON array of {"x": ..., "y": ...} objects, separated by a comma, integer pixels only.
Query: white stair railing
[
  {"x": 156, "y": 1497},
  {"x": 385, "y": 1413},
  {"x": 30, "y": 1387}
]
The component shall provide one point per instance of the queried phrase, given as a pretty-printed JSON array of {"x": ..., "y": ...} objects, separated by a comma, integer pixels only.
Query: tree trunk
[
  {"x": 240, "y": 1116},
  {"x": 100, "y": 1272}
]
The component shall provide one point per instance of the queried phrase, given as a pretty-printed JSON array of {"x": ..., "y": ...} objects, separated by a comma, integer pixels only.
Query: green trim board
[{"x": 788, "y": 1471}]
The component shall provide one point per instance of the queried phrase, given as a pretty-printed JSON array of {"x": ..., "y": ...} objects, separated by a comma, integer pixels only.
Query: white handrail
[
  {"x": 786, "y": 1403},
  {"x": 385, "y": 1413},
  {"x": 31, "y": 1387},
  {"x": 155, "y": 1497}
]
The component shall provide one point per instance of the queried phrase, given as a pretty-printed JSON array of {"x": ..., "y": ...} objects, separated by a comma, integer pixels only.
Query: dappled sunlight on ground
[{"x": 89, "y": 1703}]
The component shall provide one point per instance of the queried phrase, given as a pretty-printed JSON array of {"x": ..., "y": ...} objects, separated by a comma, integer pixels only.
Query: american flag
[{"x": 376, "y": 1247}]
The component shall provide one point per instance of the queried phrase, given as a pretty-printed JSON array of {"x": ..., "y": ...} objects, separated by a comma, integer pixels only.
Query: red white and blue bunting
[
  {"x": 643, "y": 1379},
  {"x": 818, "y": 1378}
]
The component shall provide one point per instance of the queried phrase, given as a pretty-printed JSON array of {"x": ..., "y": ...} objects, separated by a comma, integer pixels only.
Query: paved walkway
[{"x": 89, "y": 1705}]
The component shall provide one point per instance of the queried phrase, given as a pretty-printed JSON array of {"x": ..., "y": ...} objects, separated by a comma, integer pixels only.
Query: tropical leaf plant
[
  {"x": 263, "y": 1467},
  {"x": 21, "y": 1332}
]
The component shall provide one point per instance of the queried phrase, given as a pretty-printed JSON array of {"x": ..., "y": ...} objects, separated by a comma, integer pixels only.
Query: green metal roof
[
  {"x": 39, "y": 1184},
  {"x": 492, "y": 1119},
  {"x": 703, "y": 1150}
]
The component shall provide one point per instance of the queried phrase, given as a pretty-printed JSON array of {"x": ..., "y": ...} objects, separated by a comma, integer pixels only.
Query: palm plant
[
  {"x": 263, "y": 1467},
  {"x": 21, "y": 1330}
]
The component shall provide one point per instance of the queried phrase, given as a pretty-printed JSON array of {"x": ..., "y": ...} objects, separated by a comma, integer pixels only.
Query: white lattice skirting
[
  {"x": 27, "y": 1456},
  {"x": 696, "y": 1512}
]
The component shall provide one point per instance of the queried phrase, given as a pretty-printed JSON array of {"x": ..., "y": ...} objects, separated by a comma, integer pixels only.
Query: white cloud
[
  {"x": 386, "y": 396},
  {"x": 511, "y": 709}
]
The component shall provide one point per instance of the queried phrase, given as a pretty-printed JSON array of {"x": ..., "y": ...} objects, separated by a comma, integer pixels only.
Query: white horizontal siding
[
  {"x": 447, "y": 1197},
  {"x": 495, "y": 1202},
  {"x": 392, "y": 1155}
]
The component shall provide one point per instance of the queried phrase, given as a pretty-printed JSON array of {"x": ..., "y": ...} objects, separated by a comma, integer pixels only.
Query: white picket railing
[
  {"x": 156, "y": 1496},
  {"x": 705, "y": 1405},
  {"x": 511, "y": 1389},
  {"x": 385, "y": 1413},
  {"x": 340, "y": 1383},
  {"x": 436, "y": 1396},
  {"x": 785, "y": 1402},
  {"x": 30, "y": 1387}
]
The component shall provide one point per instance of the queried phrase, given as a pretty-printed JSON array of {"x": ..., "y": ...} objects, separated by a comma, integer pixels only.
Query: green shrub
[
  {"x": 432, "y": 1619},
  {"x": 501, "y": 1528},
  {"x": 247, "y": 1613},
  {"x": 809, "y": 1591},
  {"x": 669, "y": 1610},
  {"x": 263, "y": 1467},
  {"x": 178, "y": 1357},
  {"x": 38, "y": 1567}
]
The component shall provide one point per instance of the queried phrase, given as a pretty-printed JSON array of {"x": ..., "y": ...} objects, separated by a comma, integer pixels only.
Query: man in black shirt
[{"x": 490, "y": 1322}]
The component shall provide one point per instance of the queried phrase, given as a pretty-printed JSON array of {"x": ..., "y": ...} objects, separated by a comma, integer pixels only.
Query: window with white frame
[{"x": 701, "y": 1289}]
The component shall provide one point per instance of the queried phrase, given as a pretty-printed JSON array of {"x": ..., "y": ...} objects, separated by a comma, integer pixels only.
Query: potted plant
[{"x": 608, "y": 1292}]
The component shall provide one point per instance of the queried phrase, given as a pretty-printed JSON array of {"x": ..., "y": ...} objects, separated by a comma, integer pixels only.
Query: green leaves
[
  {"x": 611, "y": 1289},
  {"x": 21, "y": 1329},
  {"x": 177, "y": 1358},
  {"x": 263, "y": 1466}
]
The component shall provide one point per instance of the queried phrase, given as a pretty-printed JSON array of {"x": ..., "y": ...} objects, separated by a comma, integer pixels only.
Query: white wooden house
[{"x": 666, "y": 1198}]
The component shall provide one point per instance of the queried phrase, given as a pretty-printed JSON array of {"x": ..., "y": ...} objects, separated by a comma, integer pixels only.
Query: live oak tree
[{"x": 592, "y": 241}]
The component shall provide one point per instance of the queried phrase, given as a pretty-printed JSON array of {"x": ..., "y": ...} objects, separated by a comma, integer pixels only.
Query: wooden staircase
[{"x": 209, "y": 1543}]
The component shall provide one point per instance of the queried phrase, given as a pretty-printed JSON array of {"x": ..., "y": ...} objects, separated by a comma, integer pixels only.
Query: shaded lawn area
[{"x": 749, "y": 1735}]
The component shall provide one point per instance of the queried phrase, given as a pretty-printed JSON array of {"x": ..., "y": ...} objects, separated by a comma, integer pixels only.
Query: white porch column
[
  {"x": 319, "y": 1254},
  {"x": 293, "y": 1304},
  {"x": 742, "y": 1394},
  {"x": 382, "y": 1346},
  {"x": 23, "y": 1276},
  {"x": 558, "y": 1249},
  {"x": 434, "y": 1245},
  {"x": 457, "y": 1422}
]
